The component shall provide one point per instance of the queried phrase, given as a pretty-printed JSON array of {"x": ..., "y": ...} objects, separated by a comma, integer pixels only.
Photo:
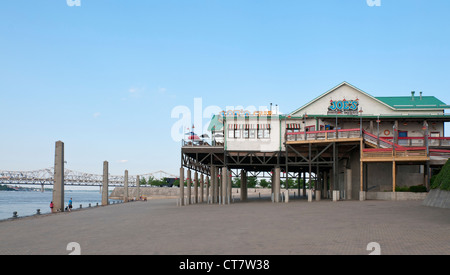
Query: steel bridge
[{"x": 74, "y": 178}]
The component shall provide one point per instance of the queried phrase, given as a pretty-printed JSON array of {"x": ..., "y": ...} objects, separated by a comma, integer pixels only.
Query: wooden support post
[
  {"x": 361, "y": 179},
  {"x": 393, "y": 176}
]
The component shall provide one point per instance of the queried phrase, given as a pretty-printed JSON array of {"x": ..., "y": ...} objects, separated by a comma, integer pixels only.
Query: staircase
[{"x": 373, "y": 140}]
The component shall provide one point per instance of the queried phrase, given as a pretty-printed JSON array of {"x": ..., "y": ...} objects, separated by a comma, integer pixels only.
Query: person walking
[
  {"x": 51, "y": 206},
  {"x": 70, "y": 204}
]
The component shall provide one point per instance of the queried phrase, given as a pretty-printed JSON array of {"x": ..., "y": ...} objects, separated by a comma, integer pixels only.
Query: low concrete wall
[
  {"x": 396, "y": 196},
  {"x": 173, "y": 192},
  {"x": 438, "y": 198}
]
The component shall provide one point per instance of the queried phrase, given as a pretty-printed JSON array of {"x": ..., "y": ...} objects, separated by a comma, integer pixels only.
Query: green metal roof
[{"x": 416, "y": 102}]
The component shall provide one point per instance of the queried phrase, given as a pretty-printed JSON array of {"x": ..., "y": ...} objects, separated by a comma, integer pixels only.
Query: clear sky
[{"x": 105, "y": 76}]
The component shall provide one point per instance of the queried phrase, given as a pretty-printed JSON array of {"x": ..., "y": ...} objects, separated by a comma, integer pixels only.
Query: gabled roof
[
  {"x": 392, "y": 102},
  {"x": 337, "y": 87},
  {"x": 416, "y": 102}
]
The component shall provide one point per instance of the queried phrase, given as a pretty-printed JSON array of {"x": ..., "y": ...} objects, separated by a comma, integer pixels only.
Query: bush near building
[{"x": 442, "y": 180}]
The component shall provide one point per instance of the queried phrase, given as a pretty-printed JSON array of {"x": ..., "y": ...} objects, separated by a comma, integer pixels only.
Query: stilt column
[
  {"x": 276, "y": 190},
  {"x": 224, "y": 184},
  {"x": 188, "y": 181},
  {"x": 181, "y": 186},
  {"x": 202, "y": 187},
  {"x": 196, "y": 187},
  {"x": 243, "y": 185}
]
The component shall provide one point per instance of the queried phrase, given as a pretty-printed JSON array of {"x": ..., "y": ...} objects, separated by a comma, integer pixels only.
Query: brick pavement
[{"x": 257, "y": 227}]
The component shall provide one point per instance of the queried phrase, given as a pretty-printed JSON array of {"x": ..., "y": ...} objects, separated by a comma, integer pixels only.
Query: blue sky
[{"x": 105, "y": 76}]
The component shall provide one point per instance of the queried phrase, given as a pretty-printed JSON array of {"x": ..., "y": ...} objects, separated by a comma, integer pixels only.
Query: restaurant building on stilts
[{"x": 343, "y": 145}]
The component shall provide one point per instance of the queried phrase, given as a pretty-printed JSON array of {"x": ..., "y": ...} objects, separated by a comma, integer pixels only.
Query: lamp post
[
  {"x": 360, "y": 121},
  {"x": 304, "y": 123},
  {"x": 378, "y": 131}
]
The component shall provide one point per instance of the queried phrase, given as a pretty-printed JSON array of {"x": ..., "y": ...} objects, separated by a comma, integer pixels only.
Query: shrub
[
  {"x": 401, "y": 189},
  {"x": 418, "y": 188},
  {"x": 442, "y": 179}
]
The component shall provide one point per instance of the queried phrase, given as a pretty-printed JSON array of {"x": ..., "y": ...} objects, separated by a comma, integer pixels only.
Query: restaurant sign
[{"x": 346, "y": 107}]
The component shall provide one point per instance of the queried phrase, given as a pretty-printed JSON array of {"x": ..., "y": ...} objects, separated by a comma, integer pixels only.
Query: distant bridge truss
[{"x": 46, "y": 177}]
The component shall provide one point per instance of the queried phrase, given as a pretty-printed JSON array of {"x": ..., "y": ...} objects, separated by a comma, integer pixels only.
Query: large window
[
  {"x": 234, "y": 133},
  {"x": 230, "y": 133},
  {"x": 251, "y": 133},
  {"x": 237, "y": 133},
  {"x": 247, "y": 131},
  {"x": 263, "y": 133}
]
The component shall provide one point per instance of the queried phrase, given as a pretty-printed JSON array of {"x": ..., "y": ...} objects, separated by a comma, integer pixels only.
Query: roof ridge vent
[{"x": 412, "y": 95}]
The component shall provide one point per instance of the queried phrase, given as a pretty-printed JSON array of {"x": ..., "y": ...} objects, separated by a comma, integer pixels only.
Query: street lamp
[
  {"x": 378, "y": 131},
  {"x": 360, "y": 121}
]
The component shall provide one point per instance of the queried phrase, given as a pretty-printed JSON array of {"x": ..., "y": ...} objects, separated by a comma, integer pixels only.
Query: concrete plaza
[{"x": 256, "y": 227}]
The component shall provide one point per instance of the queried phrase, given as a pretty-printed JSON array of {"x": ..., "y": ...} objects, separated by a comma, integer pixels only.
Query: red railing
[{"x": 420, "y": 141}]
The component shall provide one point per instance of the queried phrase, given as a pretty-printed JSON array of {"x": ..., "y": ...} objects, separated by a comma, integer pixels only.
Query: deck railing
[
  {"x": 323, "y": 135},
  {"x": 411, "y": 152},
  {"x": 201, "y": 143}
]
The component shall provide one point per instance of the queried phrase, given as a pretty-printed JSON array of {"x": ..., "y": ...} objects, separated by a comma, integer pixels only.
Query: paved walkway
[{"x": 255, "y": 227}]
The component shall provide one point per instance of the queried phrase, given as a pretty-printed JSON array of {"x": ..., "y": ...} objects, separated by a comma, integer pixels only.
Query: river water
[{"x": 26, "y": 202}]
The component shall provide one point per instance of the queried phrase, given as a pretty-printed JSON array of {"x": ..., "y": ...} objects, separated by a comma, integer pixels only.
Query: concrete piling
[
  {"x": 58, "y": 185},
  {"x": 202, "y": 187},
  {"x": 138, "y": 190},
  {"x": 181, "y": 186},
  {"x": 276, "y": 190},
  {"x": 188, "y": 186},
  {"x": 105, "y": 183},
  {"x": 125, "y": 193},
  {"x": 224, "y": 185},
  {"x": 196, "y": 187}
]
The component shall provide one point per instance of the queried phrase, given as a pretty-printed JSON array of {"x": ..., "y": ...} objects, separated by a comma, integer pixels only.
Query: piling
[
  {"x": 58, "y": 184},
  {"x": 105, "y": 184}
]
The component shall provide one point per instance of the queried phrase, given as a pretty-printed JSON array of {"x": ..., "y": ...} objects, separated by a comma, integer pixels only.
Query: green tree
[
  {"x": 236, "y": 182},
  {"x": 143, "y": 181},
  {"x": 251, "y": 182},
  {"x": 265, "y": 183},
  {"x": 292, "y": 183},
  {"x": 177, "y": 183}
]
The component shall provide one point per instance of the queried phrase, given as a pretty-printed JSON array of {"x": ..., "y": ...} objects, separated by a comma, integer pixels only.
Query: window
[
  {"x": 263, "y": 133},
  {"x": 237, "y": 133},
  {"x": 230, "y": 133},
  {"x": 252, "y": 133},
  {"x": 246, "y": 133},
  {"x": 260, "y": 133},
  {"x": 310, "y": 128}
]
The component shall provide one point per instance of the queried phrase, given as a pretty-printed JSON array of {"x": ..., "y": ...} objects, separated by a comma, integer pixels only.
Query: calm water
[{"x": 26, "y": 202}]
